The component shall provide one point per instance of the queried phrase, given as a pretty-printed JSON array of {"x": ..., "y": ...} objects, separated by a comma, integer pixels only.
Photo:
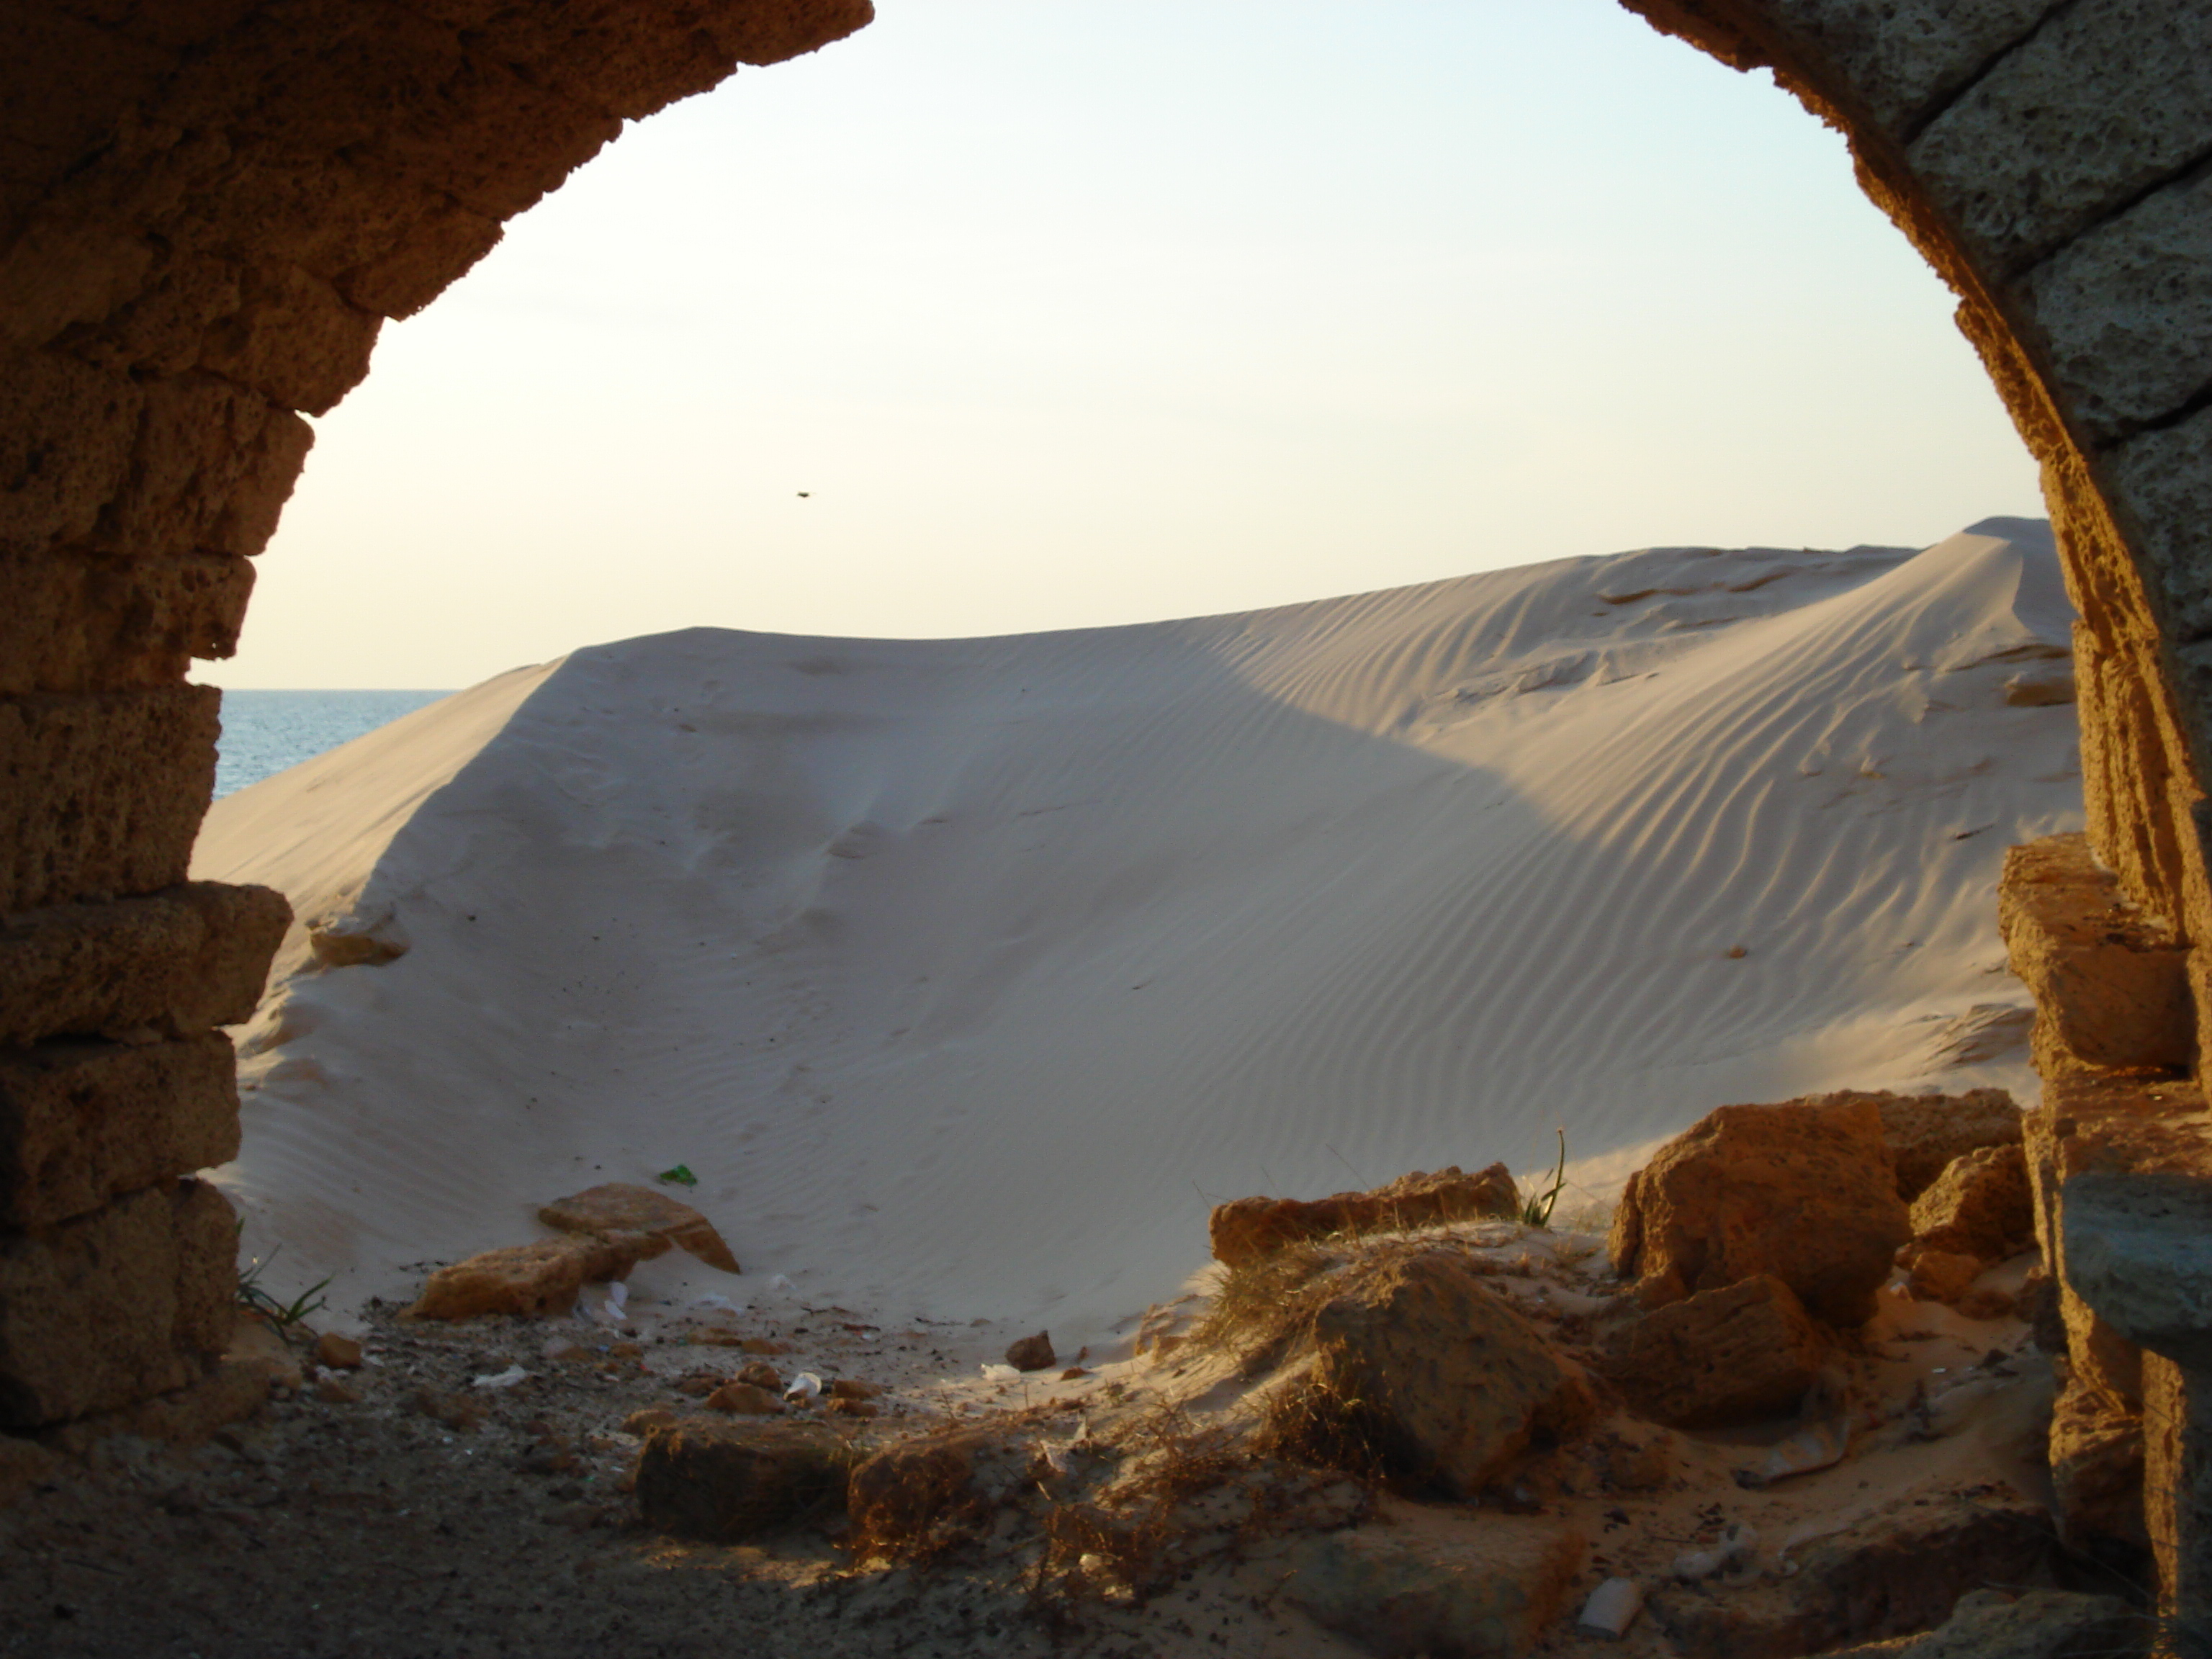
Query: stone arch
[{"x": 208, "y": 208}]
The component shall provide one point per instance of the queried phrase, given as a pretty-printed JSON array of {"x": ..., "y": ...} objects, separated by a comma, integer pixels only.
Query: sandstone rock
[
  {"x": 843, "y": 1406},
  {"x": 332, "y": 1392},
  {"x": 2037, "y": 1303},
  {"x": 1938, "y": 1275},
  {"x": 761, "y": 1375},
  {"x": 852, "y": 1387},
  {"x": 1899, "y": 1570},
  {"x": 116, "y": 1306},
  {"x": 544, "y": 1278},
  {"x": 1926, "y": 1133},
  {"x": 2138, "y": 1249},
  {"x": 1484, "y": 1588},
  {"x": 1980, "y": 1206},
  {"x": 1250, "y": 1228},
  {"x": 743, "y": 1399},
  {"x": 2111, "y": 986},
  {"x": 2096, "y": 1452},
  {"x": 1419, "y": 1359},
  {"x": 763, "y": 1345},
  {"x": 725, "y": 1482},
  {"x": 454, "y": 1411},
  {"x": 2045, "y": 1624},
  {"x": 644, "y": 1420},
  {"x": 82, "y": 1122},
  {"x": 615, "y": 1208},
  {"x": 335, "y": 1353},
  {"x": 1804, "y": 1191},
  {"x": 1032, "y": 1353},
  {"x": 1718, "y": 1358}
]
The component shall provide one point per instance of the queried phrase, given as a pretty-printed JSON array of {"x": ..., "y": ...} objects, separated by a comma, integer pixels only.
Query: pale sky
[{"x": 1066, "y": 313}]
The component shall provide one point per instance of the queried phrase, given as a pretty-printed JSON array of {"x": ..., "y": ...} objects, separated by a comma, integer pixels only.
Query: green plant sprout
[
  {"x": 1538, "y": 1203},
  {"x": 283, "y": 1315},
  {"x": 680, "y": 1175}
]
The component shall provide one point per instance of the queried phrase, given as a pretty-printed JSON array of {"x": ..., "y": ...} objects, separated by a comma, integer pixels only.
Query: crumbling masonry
[{"x": 209, "y": 207}]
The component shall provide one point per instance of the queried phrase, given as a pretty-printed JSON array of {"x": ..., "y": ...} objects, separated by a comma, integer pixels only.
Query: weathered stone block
[
  {"x": 727, "y": 1481},
  {"x": 213, "y": 466},
  {"x": 2039, "y": 1625},
  {"x": 1980, "y": 1206},
  {"x": 1720, "y": 1358},
  {"x": 66, "y": 271},
  {"x": 1902, "y": 58},
  {"x": 179, "y": 961},
  {"x": 1805, "y": 1190},
  {"x": 2137, "y": 1247},
  {"x": 2096, "y": 1451},
  {"x": 78, "y": 622},
  {"x": 108, "y": 1309},
  {"x": 531, "y": 1279},
  {"x": 83, "y": 1123},
  {"x": 2065, "y": 129},
  {"x": 2126, "y": 312},
  {"x": 67, "y": 433},
  {"x": 2110, "y": 985},
  {"x": 1246, "y": 1229},
  {"x": 102, "y": 792},
  {"x": 1486, "y": 1588},
  {"x": 1420, "y": 1359},
  {"x": 1926, "y": 1134}
]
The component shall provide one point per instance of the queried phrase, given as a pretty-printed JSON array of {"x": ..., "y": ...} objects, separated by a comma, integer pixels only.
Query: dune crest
[{"x": 966, "y": 973}]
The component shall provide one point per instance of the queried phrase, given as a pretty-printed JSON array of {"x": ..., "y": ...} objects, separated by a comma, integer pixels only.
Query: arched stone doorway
[{"x": 207, "y": 207}]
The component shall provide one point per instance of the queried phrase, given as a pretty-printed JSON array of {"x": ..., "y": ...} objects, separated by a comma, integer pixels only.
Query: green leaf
[{"x": 680, "y": 1175}]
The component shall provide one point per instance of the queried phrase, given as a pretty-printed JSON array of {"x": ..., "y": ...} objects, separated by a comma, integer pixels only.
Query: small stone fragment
[
  {"x": 842, "y": 1407},
  {"x": 334, "y": 1353},
  {"x": 1250, "y": 1228},
  {"x": 1032, "y": 1353},
  {"x": 1939, "y": 1275},
  {"x": 645, "y": 1420},
  {"x": 852, "y": 1387},
  {"x": 1720, "y": 1357},
  {"x": 332, "y": 1392},
  {"x": 764, "y": 1345},
  {"x": 1980, "y": 1206},
  {"x": 1485, "y": 1589},
  {"x": 743, "y": 1399},
  {"x": 761, "y": 1375},
  {"x": 457, "y": 1414}
]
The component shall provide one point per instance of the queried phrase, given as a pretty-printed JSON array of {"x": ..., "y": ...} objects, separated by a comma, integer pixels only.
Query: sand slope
[{"x": 965, "y": 973}]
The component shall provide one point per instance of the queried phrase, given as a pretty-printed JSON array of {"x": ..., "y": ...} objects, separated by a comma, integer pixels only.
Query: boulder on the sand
[
  {"x": 1804, "y": 1191},
  {"x": 1925, "y": 1133},
  {"x": 544, "y": 1278},
  {"x": 2042, "y": 1624},
  {"x": 1723, "y": 1356},
  {"x": 1938, "y": 1275},
  {"x": 1247, "y": 1228},
  {"x": 745, "y": 1399},
  {"x": 1483, "y": 1588},
  {"x": 617, "y": 1207},
  {"x": 727, "y": 1481},
  {"x": 1032, "y": 1353},
  {"x": 1981, "y": 1205},
  {"x": 1419, "y": 1362}
]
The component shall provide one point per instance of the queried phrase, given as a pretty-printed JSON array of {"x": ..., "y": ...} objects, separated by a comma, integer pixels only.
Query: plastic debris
[
  {"x": 804, "y": 1386},
  {"x": 1611, "y": 1609},
  {"x": 1737, "y": 1545},
  {"x": 998, "y": 1373},
  {"x": 506, "y": 1379},
  {"x": 680, "y": 1175},
  {"x": 779, "y": 1283}
]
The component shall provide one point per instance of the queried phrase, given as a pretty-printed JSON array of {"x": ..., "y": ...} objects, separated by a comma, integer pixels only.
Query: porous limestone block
[
  {"x": 1980, "y": 1206},
  {"x": 83, "y": 1123},
  {"x": 76, "y": 622},
  {"x": 2126, "y": 312},
  {"x": 2177, "y": 1485},
  {"x": 112, "y": 1307},
  {"x": 68, "y": 430},
  {"x": 1489, "y": 1585},
  {"x": 179, "y": 961},
  {"x": 1928, "y": 1134},
  {"x": 726, "y": 1482},
  {"x": 2164, "y": 480},
  {"x": 2111, "y": 986},
  {"x": 2104, "y": 102},
  {"x": 1720, "y": 1358},
  {"x": 1902, "y": 58},
  {"x": 2137, "y": 1247},
  {"x": 2096, "y": 1455},
  {"x": 102, "y": 792},
  {"x": 212, "y": 467}
]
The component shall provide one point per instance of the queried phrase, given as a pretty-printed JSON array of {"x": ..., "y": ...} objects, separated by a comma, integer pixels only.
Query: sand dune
[{"x": 965, "y": 973}]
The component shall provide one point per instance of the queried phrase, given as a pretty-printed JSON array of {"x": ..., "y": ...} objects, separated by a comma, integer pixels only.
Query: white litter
[
  {"x": 1738, "y": 1545},
  {"x": 1002, "y": 1373},
  {"x": 506, "y": 1379},
  {"x": 804, "y": 1386},
  {"x": 1611, "y": 1609},
  {"x": 778, "y": 1283}
]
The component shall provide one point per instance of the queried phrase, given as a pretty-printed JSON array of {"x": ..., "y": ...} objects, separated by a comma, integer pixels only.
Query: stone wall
[{"x": 207, "y": 207}]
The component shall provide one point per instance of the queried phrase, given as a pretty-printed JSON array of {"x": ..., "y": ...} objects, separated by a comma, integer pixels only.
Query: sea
[{"x": 265, "y": 732}]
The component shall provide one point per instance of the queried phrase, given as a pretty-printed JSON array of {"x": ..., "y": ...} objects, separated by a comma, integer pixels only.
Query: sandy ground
[
  {"x": 965, "y": 974},
  {"x": 441, "y": 1513}
]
